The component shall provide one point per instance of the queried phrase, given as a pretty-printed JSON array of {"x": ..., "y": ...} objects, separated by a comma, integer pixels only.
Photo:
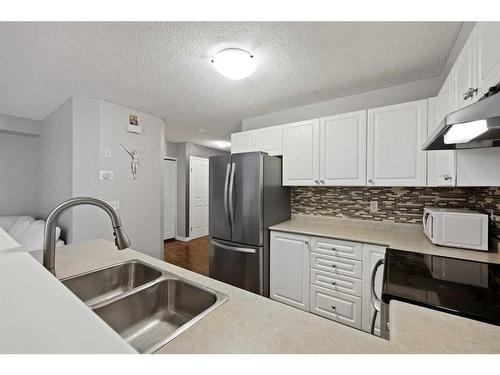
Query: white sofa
[{"x": 27, "y": 231}]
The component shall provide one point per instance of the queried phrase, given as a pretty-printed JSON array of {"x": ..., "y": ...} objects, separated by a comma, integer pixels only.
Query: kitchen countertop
[
  {"x": 248, "y": 323},
  {"x": 407, "y": 237}
]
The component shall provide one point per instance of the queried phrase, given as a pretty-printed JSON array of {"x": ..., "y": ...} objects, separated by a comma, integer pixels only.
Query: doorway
[
  {"x": 198, "y": 197},
  {"x": 169, "y": 198}
]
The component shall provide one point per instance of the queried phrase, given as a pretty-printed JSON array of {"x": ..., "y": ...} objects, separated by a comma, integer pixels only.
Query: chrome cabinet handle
[
  {"x": 370, "y": 181},
  {"x": 334, "y": 307},
  {"x": 447, "y": 177},
  {"x": 334, "y": 265},
  {"x": 470, "y": 93},
  {"x": 376, "y": 302},
  {"x": 334, "y": 249},
  {"x": 316, "y": 181},
  {"x": 334, "y": 283},
  {"x": 322, "y": 181}
]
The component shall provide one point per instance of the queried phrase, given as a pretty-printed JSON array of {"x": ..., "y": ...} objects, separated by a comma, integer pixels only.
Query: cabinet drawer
[
  {"x": 337, "y": 283},
  {"x": 344, "y": 249},
  {"x": 336, "y": 265},
  {"x": 340, "y": 307}
]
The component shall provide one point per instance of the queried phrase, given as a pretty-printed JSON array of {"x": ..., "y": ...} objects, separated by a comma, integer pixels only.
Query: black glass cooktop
[{"x": 462, "y": 287}]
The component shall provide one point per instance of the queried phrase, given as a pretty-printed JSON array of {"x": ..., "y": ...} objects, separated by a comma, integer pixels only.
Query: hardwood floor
[{"x": 191, "y": 255}]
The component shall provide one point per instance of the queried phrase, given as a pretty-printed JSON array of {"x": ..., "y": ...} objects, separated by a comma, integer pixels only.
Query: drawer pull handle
[
  {"x": 334, "y": 283},
  {"x": 334, "y": 265},
  {"x": 333, "y": 307},
  {"x": 334, "y": 249}
]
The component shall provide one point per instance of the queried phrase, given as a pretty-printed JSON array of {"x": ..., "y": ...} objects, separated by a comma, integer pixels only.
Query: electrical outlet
[
  {"x": 106, "y": 175},
  {"x": 373, "y": 206}
]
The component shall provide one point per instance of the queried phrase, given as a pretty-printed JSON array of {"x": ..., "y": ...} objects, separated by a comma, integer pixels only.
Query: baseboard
[{"x": 183, "y": 239}]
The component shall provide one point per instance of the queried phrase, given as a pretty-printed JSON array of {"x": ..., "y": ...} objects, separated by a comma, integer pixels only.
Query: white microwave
[{"x": 456, "y": 228}]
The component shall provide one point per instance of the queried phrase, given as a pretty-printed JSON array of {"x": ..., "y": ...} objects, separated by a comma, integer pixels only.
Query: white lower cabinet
[
  {"x": 334, "y": 275},
  {"x": 337, "y": 306},
  {"x": 289, "y": 269}
]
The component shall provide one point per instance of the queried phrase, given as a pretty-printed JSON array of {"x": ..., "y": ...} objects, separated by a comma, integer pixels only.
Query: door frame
[
  {"x": 190, "y": 190},
  {"x": 167, "y": 158}
]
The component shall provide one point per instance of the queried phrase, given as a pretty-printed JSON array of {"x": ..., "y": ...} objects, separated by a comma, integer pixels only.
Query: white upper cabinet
[
  {"x": 488, "y": 55},
  {"x": 464, "y": 75},
  {"x": 270, "y": 140},
  {"x": 301, "y": 153},
  {"x": 243, "y": 141},
  {"x": 343, "y": 149},
  {"x": 440, "y": 164},
  {"x": 394, "y": 151}
]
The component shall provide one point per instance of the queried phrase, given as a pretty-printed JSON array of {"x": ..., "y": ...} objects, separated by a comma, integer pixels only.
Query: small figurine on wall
[{"x": 134, "y": 154}]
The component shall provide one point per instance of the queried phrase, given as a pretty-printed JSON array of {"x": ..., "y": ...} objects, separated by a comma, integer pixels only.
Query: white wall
[
  {"x": 18, "y": 174},
  {"x": 371, "y": 99},
  {"x": 19, "y": 125},
  {"x": 140, "y": 199},
  {"x": 55, "y": 165}
]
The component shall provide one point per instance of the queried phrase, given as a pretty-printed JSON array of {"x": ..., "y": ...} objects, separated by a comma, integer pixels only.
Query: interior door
[
  {"x": 198, "y": 197},
  {"x": 169, "y": 198},
  {"x": 245, "y": 198}
]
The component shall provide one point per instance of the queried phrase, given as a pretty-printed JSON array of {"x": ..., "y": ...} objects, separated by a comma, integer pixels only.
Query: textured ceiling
[{"x": 163, "y": 68}]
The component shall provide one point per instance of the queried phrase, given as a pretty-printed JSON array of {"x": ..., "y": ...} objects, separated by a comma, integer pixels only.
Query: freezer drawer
[{"x": 237, "y": 264}]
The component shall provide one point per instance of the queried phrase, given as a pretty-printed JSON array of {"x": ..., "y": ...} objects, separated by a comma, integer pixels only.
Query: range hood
[{"x": 474, "y": 126}]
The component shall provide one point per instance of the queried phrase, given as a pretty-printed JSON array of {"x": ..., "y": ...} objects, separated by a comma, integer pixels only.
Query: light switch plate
[
  {"x": 107, "y": 153},
  {"x": 106, "y": 175},
  {"x": 373, "y": 206}
]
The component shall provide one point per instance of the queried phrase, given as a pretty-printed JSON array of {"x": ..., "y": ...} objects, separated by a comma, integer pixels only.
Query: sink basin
[
  {"x": 100, "y": 285},
  {"x": 154, "y": 315}
]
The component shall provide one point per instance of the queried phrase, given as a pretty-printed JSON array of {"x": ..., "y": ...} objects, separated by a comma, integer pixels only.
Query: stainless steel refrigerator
[{"x": 245, "y": 198}]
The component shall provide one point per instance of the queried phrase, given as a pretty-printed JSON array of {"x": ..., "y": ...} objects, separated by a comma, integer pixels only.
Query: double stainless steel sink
[{"x": 146, "y": 305}]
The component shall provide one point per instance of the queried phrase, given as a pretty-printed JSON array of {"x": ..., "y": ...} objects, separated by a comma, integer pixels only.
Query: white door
[
  {"x": 169, "y": 198},
  {"x": 441, "y": 165},
  {"x": 289, "y": 269},
  {"x": 394, "y": 151},
  {"x": 488, "y": 55},
  {"x": 270, "y": 140},
  {"x": 371, "y": 254},
  {"x": 198, "y": 197},
  {"x": 301, "y": 153},
  {"x": 343, "y": 149},
  {"x": 243, "y": 141}
]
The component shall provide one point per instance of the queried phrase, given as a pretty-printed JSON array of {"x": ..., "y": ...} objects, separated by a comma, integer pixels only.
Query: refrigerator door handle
[
  {"x": 231, "y": 195},
  {"x": 233, "y": 248},
  {"x": 226, "y": 189}
]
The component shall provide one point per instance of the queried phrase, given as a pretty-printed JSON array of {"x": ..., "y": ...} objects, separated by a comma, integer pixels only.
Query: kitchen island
[{"x": 248, "y": 323}]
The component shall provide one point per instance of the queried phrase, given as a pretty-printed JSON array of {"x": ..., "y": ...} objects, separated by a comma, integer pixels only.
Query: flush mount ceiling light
[
  {"x": 234, "y": 63},
  {"x": 222, "y": 144}
]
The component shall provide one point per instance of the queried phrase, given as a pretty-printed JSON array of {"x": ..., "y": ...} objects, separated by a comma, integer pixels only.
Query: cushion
[
  {"x": 19, "y": 226},
  {"x": 7, "y": 221}
]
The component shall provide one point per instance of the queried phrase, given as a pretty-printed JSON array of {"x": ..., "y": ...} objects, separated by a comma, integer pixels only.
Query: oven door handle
[{"x": 376, "y": 302}]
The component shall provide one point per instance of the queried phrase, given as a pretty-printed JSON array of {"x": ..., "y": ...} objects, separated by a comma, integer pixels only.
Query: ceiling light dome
[{"x": 234, "y": 63}]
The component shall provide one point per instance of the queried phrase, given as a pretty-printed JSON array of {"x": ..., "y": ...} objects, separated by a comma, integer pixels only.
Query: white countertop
[
  {"x": 408, "y": 237},
  {"x": 38, "y": 314},
  {"x": 246, "y": 323}
]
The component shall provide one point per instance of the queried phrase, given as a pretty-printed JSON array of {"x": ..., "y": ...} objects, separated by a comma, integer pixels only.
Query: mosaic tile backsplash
[{"x": 395, "y": 204}]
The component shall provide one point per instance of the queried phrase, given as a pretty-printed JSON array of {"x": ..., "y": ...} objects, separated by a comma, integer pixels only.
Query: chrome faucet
[{"x": 49, "y": 240}]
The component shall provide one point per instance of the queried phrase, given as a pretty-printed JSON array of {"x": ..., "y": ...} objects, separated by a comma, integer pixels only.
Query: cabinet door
[
  {"x": 243, "y": 142},
  {"x": 290, "y": 269},
  {"x": 301, "y": 153},
  {"x": 371, "y": 254},
  {"x": 270, "y": 140},
  {"x": 343, "y": 149},
  {"x": 394, "y": 151},
  {"x": 463, "y": 71},
  {"x": 440, "y": 164},
  {"x": 488, "y": 55}
]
